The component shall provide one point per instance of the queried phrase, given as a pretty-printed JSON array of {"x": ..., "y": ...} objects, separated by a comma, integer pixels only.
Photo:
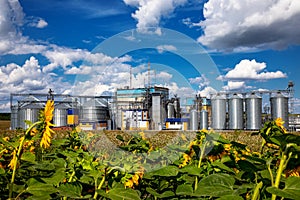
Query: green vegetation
[
  {"x": 165, "y": 165},
  {"x": 5, "y": 116}
]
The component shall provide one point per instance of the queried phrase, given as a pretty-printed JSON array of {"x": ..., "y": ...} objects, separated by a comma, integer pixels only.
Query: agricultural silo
[
  {"x": 14, "y": 117},
  {"x": 253, "y": 112},
  {"x": 60, "y": 114},
  {"x": 279, "y": 108},
  {"x": 194, "y": 121},
  {"x": 236, "y": 112},
  {"x": 29, "y": 110},
  {"x": 156, "y": 111},
  {"x": 218, "y": 115},
  {"x": 203, "y": 119},
  {"x": 170, "y": 110},
  {"x": 94, "y": 110}
]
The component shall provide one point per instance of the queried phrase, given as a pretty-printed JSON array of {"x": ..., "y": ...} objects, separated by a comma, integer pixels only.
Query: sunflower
[
  {"x": 280, "y": 123},
  {"x": 48, "y": 113},
  {"x": 129, "y": 183},
  {"x": 13, "y": 161}
]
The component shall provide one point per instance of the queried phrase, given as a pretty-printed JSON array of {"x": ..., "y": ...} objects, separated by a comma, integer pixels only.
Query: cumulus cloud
[
  {"x": 11, "y": 39},
  {"x": 201, "y": 81},
  {"x": 25, "y": 78},
  {"x": 251, "y": 70},
  {"x": 235, "y": 85},
  {"x": 232, "y": 25},
  {"x": 150, "y": 12},
  {"x": 207, "y": 91},
  {"x": 166, "y": 47},
  {"x": 64, "y": 57}
]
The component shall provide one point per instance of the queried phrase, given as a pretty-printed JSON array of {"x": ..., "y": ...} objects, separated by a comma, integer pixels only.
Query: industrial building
[{"x": 151, "y": 108}]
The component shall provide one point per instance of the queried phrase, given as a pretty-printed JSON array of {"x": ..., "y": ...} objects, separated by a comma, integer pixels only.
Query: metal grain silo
[
  {"x": 218, "y": 115},
  {"x": 194, "y": 121},
  {"x": 279, "y": 108},
  {"x": 253, "y": 112},
  {"x": 171, "y": 110},
  {"x": 236, "y": 112},
  {"x": 94, "y": 110},
  {"x": 60, "y": 114},
  {"x": 203, "y": 119},
  {"x": 14, "y": 118},
  {"x": 29, "y": 110}
]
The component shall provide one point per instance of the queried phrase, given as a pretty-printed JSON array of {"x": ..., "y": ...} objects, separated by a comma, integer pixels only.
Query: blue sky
[{"x": 89, "y": 47}]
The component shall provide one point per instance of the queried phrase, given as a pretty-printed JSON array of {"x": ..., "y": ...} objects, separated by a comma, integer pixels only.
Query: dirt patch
[{"x": 4, "y": 124}]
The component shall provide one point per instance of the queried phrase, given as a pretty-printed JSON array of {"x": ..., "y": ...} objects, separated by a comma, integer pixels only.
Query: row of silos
[
  {"x": 198, "y": 121},
  {"x": 66, "y": 112},
  {"x": 249, "y": 118}
]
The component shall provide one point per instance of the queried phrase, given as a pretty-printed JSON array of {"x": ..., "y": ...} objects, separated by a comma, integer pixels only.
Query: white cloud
[
  {"x": 232, "y": 25},
  {"x": 201, "y": 81},
  {"x": 64, "y": 57},
  {"x": 150, "y": 13},
  {"x": 11, "y": 39},
  {"x": 251, "y": 70},
  {"x": 235, "y": 85},
  {"x": 207, "y": 91},
  {"x": 26, "y": 78},
  {"x": 162, "y": 48},
  {"x": 41, "y": 24}
]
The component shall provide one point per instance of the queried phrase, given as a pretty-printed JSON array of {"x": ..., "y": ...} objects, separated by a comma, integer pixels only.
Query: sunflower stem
[{"x": 18, "y": 157}]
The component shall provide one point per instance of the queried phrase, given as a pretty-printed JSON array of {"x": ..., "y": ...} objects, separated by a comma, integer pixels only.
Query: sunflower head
[
  {"x": 279, "y": 122},
  {"x": 47, "y": 131}
]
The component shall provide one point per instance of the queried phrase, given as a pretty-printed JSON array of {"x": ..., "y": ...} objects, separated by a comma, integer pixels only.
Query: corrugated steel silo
[
  {"x": 14, "y": 118},
  {"x": 253, "y": 112},
  {"x": 94, "y": 110},
  {"x": 29, "y": 111},
  {"x": 60, "y": 114},
  {"x": 203, "y": 119},
  {"x": 171, "y": 111},
  {"x": 194, "y": 121},
  {"x": 279, "y": 108},
  {"x": 236, "y": 112},
  {"x": 218, "y": 115}
]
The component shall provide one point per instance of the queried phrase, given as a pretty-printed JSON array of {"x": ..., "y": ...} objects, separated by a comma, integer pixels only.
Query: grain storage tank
[
  {"x": 14, "y": 118},
  {"x": 171, "y": 110},
  {"x": 253, "y": 112},
  {"x": 203, "y": 119},
  {"x": 29, "y": 110},
  {"x": 236, "y": 112},
  {"x": 279, "y": 108},
  {"x": 94, "y": 110},
  {"x": 194, "y": 121},
  {"x": 60, "y": 114},
  {"x": 218, "y": 115}
]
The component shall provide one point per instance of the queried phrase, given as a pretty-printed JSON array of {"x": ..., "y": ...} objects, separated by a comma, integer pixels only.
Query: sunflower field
[{"x": 39, "y": 163}]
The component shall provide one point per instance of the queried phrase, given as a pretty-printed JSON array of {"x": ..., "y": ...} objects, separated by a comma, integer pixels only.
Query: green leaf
[
  {"x": 59, "y": 163},
  {"x": 38, "y": 188},
  {"x": 28, "y": 156},
  {"x": 184, "y": 190},
  {"x": 191, "y": 170},
  {"x": 119, "y": 137},
  {"x": 71, "y": 190},
  {"x": 56, "y": 178},
  {"x": 247, "y": 166},
  {"x": 230, "y": 197},
  {"x": 123, "y": 194},
  {"x": 216, "y": 185},
  {"x": 221, "y": 165},
  {"x": 153, "y": 192},
  {"x": 167, "y": 171},
  {"x": 291, "y": 189}
]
